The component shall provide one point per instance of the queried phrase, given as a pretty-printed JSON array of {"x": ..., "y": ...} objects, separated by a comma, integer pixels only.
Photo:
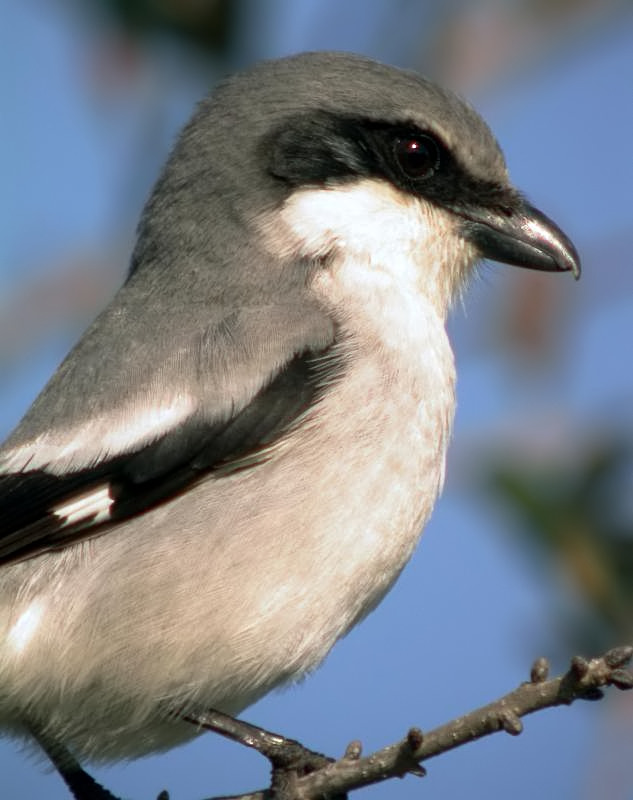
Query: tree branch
[{"x": 301, "y": 774}]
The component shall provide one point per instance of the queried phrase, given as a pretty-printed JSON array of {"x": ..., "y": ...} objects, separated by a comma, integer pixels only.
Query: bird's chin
[{"x": 523, "y": 236}]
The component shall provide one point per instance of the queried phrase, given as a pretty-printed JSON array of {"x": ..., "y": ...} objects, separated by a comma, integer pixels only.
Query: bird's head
[{"x": 329, "y": 154}]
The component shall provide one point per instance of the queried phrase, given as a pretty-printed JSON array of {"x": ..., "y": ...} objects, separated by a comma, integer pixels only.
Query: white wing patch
[
  {"x": 22, "y": 631},
  {"x": 60, "y": 452},
  {"x": 93, "y": 506}
]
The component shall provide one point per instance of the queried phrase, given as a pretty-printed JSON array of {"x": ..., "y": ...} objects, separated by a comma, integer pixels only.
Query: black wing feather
[{"x": 141, "y": 480}]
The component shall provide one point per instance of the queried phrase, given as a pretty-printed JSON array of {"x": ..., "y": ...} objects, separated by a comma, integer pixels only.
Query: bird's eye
[{"x": 417, "y": 156}]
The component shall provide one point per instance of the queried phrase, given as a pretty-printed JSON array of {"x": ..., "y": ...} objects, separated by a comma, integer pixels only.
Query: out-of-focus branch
[{"x": 577, "y": 516}]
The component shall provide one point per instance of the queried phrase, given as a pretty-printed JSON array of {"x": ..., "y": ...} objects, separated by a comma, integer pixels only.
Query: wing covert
[{"x": 45, "y": 506}]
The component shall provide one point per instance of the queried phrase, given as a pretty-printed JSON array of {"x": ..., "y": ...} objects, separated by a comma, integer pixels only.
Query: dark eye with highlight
[{"x": 418, "y": 156}]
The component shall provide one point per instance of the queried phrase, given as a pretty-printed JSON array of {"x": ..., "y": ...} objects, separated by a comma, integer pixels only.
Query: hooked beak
[{"x": 522, "y": 236}]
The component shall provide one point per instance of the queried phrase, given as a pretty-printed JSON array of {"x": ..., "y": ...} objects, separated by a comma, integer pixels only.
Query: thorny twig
[{"x": 301, "y": 774}]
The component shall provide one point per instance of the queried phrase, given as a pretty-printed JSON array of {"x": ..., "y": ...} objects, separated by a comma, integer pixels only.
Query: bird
[{"x": 235, "y": 462}]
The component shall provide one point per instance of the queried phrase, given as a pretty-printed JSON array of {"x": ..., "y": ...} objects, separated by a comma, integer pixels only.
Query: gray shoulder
[{"x": 141, "y": 370}]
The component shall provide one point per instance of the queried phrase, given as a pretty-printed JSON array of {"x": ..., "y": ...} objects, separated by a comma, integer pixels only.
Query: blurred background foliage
[
  {"x": 207, "y": 24},
  {"x": 579, "y": 519},
  {"x": 543, "y": 455}
]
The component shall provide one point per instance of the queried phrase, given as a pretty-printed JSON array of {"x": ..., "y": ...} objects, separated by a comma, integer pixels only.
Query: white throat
[{"x": 392, "y": 235}]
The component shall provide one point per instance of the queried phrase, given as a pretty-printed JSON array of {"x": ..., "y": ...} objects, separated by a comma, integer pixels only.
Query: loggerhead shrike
[{"x": 235, "y": 462}]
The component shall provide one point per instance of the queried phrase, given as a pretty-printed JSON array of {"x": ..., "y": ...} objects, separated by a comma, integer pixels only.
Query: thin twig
[{"x": 584, "y": 680}]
